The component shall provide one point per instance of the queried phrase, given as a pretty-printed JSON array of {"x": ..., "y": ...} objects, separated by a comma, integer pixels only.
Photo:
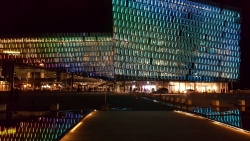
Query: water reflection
[
  {"x": 229, "y": 116},
  {"x": 49, "y": 128}
]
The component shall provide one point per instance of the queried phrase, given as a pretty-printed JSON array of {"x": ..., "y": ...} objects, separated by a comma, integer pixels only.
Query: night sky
[
  {"x": 244, "y": 82},
  {"x": 42, "y": 16},
  {"x": 50, "y": 16}
]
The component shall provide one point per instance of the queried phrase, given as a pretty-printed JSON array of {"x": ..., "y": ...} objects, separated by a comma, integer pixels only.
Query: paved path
[
  {"x": 146, "y": 121},
  {"x": 150, "y": 126}
]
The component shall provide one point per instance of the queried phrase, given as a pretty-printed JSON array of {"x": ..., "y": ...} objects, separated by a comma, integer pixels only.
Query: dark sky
[
  {"x": 43, "y": 16},
  {"x": 21, "y": 16},
  {"x": 244, "y": 43}
]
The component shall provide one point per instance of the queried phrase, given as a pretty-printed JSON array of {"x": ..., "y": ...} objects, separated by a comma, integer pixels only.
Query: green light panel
[{"x": 175, "y": 40}]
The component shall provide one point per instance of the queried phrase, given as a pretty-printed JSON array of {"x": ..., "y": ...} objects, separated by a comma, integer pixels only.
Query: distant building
[{"x": 178, "y": 44}]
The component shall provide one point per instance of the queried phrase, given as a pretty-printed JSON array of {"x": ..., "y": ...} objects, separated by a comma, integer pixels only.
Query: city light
[
  {"x": 7, "y": 131},
  {"x": 11, "y": 52},
  {"x": 72, "y": 130}
]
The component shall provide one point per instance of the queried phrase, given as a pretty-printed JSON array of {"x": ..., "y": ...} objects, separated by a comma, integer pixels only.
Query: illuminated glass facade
[
  {"x": 175, "y": 40},
  {"x": 151, "y": 40},
  {"x": 82, "y": 53}
]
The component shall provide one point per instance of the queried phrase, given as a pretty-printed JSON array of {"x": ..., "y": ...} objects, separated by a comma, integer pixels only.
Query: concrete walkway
[
  {"x": 146, "y": 121},
  {"x": 150, "y": 126}
]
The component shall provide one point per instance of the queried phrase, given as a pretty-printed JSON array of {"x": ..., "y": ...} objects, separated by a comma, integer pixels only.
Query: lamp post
[
  {"x": 105, "y": 97},
  {"x": 33, "y": 81},
  {"x": 72, "y": 83},
  {"x": 54, "y": 82},
  {"x": 14, "y": 79},
  {"x": 2, "y": 77},
  {"x": 20, "y": 77},
  {"x": 105, "y": 106},
  {"x": 46, "y": 88},
  {"x": 12, "y": 72},
  {"x": 66, "y": 81}
]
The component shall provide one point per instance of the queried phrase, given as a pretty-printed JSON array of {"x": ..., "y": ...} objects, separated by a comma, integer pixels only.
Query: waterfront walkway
[
  {"x": 150, "y": 126},
  {"x": 146, "y": 120}
]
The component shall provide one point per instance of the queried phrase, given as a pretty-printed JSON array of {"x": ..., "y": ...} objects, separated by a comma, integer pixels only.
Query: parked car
[{"x": 162, "y": 91}]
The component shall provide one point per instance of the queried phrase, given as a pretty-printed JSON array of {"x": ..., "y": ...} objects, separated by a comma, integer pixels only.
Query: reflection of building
[{"x": 177, "y": 44}]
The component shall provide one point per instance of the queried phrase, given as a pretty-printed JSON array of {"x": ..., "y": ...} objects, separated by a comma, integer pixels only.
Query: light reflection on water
[
  {"x": 229, "y": 116},
  {"x": 47, "y": 128}
]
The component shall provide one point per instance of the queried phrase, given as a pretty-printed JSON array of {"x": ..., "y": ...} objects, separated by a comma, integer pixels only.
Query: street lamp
[
  {"x": 33, "y": 81},
  {"x": 66, "y": 81},
  {"x": 105, "y": 95},
  {"x": 12, "y": 71},
  {"x": 67, "y": 73},
  {"x": 54, "y": 86},
  {"x": 14, "y": 79},
  {"x": 105, "y": 106},
  {"x": 47, "y": 81}
]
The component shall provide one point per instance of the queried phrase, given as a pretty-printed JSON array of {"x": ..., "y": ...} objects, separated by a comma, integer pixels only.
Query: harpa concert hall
[{"x": 181, "y": 45}]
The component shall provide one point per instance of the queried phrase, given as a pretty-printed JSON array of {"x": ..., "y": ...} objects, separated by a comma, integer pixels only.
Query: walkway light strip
[
  {"x": 76, "y": 127},
  {"x": 215, "y": 122},
  {"x": 72, "y": 130}
]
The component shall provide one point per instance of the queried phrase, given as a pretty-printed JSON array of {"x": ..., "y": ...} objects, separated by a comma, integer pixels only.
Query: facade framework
[{"x": 174, "y": 41}]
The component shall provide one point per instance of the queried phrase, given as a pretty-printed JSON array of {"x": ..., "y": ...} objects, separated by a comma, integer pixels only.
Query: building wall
[
  {"x": 175, "y": 40},
  {"x": 79, "y": 53}
]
